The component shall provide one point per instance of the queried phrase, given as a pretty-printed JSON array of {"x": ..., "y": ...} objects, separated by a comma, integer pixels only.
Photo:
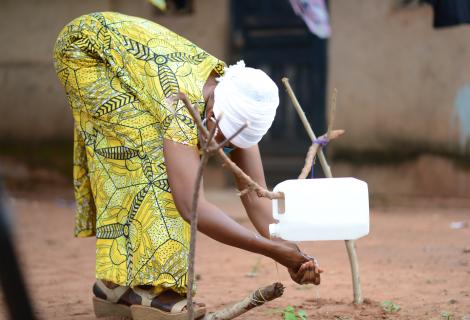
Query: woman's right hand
[
  {"x": 302, "y": 268},
  {"x": 309, "y": 272}
]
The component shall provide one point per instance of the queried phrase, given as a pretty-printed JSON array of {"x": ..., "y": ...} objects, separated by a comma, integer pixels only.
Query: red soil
[{"x": 412, "y": 257}]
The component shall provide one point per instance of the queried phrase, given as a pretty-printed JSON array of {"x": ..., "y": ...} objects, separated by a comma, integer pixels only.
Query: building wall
[
  {"x": 404, "y": 97},
  {"x": 32, "y": 102},
  {"x": 399, "y": 79},
  {"x": 402, "y": 84}
]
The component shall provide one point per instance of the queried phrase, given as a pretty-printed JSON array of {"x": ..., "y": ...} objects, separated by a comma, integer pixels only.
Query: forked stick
[
  {"x": 258, "y": 297},
  {"x": 193, "y": 216},
  {"x": 350, "y": 244},
  {"x": 213, "y": 147}
]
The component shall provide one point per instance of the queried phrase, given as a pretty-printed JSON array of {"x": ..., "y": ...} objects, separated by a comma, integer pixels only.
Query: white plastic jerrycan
[{"x": 321, "y": 209}]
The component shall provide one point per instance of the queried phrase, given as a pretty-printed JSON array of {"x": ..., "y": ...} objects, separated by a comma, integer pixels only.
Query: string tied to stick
[
  {"x": 257, "y": 302},
  {"x": 322, "y": 142}
]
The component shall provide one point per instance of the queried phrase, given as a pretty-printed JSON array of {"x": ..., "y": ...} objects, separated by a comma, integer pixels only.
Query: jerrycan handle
[{"x": 279, "y": 207}]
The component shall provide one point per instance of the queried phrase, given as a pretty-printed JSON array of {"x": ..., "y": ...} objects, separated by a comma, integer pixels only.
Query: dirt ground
[{"x": 412, "y": 257}]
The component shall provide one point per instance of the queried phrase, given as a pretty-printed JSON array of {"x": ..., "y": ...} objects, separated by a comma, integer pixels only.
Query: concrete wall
[
  {"x": 402, "y": 83},
  {"x": 399, "y": 79},
  {"x": 404, "y": 97},
  {"x": 32, "y": 102}
]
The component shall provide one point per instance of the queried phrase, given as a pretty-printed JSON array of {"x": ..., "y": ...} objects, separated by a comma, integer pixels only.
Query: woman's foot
[
  {"x": 114, "y": 300},
  {"x": 167, "y": 299}
]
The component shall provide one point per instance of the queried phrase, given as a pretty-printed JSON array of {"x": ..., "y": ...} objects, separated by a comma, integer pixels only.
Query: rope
[
  {"x": 256, "y": 302},
  {"x": 322, "y": 141}
]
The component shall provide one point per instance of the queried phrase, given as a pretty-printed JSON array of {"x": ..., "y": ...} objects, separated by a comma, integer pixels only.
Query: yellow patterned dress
[{"x": 117, "y": 71}]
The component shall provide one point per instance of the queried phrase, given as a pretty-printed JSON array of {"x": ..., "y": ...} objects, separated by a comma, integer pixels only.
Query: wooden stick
[
  {"x": 194, "y": 216},
  {"x": 350, "y": 244},
  {"x": 221, "y": 145},
  {"x": 212, "y": 133},
  {"x": 259, "y": 296},
  {"x": 351, "y": 248},
  {"x": 308, "y": 128},
  {"x": 331, "y": 113},
  {"x": 312, "y": 152},
  {"x": 254, "y": 299},
  {"x": 193, "y": 231}
]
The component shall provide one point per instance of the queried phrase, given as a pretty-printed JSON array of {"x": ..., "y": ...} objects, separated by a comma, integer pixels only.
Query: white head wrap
[{"x": 245, "y": 95}]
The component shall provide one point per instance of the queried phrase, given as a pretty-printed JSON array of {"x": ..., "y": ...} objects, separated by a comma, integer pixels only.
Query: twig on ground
[
  {"x": 350, "y": 244},
  {"x": 255, "y": 299}
]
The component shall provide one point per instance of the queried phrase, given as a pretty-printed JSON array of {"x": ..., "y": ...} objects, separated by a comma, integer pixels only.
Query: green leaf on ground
[
  {"x": 289, "y": 313},
  {"x": 390, "y": 306},
  {"x": 302, "y": 315},
  {"x": 447, "y": 315}
]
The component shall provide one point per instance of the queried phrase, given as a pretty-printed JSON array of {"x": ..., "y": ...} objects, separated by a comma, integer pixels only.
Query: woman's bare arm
[
  {"x": 182, "y": 163},
  {"x": 259, "y": 210}
]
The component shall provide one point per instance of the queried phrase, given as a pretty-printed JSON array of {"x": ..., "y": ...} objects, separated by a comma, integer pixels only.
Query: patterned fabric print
[{"x": 117, "y": 72}]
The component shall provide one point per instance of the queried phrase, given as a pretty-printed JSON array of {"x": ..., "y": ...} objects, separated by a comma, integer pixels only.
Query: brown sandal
[
  {"x": 138, "y": 304},
  {"x": 106, "y": 302},
  {"x": 150, "y": 309}
]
